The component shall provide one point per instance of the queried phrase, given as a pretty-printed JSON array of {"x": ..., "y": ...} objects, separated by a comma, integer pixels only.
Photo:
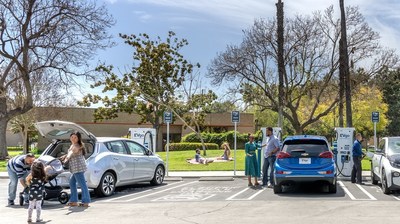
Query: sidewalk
[{"x": 194, "y": 174}]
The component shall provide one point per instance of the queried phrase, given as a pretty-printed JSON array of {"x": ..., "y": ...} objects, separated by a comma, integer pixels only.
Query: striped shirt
[{"x": 17, "y": 164}]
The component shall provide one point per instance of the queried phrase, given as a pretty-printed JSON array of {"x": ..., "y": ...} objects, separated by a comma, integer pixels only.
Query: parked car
[
  {"x": 305, "y": 158},
  {"x": 385, "y": 164},
  {"x": 111, "y": 162}
]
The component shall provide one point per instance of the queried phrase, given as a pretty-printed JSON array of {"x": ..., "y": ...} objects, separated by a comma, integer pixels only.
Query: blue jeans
[
  {"x": 268, "y": 163},
  {"x": 80, "y": 179},
  {"x": 13, "y": 184}
]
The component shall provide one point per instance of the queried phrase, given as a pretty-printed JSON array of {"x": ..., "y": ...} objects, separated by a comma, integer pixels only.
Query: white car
[
  {"x": 385, "y": 164},
  {"x": 111, "y": 162}
]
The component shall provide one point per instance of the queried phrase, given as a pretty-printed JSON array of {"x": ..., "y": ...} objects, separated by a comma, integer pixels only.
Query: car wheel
[
  {"x": 333, "y": 188},
  {"x": 374, "y": 178},
  {"x": 277, "y": 188},
  {"x": 385, "y": 188},
  {"x": 158, "y": 176},
  {"x": 106, "y": 186},
  {"x": 63, "y": 197}
]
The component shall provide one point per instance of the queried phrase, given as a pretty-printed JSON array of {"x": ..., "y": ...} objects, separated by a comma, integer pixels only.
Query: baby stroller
[{"x": 51, "y": 189}]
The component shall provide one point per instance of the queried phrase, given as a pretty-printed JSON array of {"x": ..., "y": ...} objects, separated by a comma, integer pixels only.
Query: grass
[{"x": 177, "y": 161}]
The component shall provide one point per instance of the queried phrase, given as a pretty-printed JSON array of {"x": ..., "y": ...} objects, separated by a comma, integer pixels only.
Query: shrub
[
  {"x": 190, "y": 146},
  {"x": 218, "y": 138}
]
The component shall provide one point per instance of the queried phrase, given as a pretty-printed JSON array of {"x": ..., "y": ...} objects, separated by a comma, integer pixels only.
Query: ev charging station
[
  {"x": 145, "y": 136},
  {"x": 343, "y": 151}
]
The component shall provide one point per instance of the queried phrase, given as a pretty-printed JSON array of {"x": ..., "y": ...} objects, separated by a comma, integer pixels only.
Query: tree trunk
[
  {"x": 341, "y": 88},
  {"x": 25, "y": 141},
  {"x": 344, "y": 64},
  {"x": 281, "y": 60},
  {"x": 3, "y": 142}
]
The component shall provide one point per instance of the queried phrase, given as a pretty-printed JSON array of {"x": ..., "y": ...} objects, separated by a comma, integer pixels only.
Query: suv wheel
[
  {"x": 277, "y": 188},
  {"x": 385, "y": 188},
  {"x": 374, "y": 178},
  {"x": 106, "y": 186},
  {"x": 333, "y": 188}
]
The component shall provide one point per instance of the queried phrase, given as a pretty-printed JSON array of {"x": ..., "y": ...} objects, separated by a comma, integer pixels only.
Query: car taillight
[
  {"x": 327, "y": 154},
  {"x": 283, "y": 155}
]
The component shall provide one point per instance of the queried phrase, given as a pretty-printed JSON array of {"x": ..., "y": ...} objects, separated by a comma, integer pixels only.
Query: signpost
[
  {"x": 375, "y": 119},
  {"x": 235, "y": 120},
  {"x": 167, "y": 119}
]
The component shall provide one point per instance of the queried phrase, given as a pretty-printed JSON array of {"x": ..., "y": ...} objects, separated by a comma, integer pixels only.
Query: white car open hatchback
[{"x": 111, "y": 162}]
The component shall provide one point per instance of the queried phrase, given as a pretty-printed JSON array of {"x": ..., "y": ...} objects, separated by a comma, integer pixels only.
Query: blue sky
[{"x": 211, "y": 25}]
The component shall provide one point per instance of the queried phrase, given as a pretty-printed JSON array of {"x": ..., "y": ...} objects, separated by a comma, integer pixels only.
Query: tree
[
  {"x": 53, "y": 36},
  {"x": 311, "y": 63},
  {"x": 44, "y": 95},
  {"x": 389, "y": 84},
  {"x": 149, "y": 88},
  {"x": 344, "y": 72}
]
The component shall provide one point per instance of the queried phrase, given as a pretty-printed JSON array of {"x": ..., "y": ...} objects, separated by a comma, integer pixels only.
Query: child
[
  {"x": 35, "y": 181},
  {"x": 200, "y": 159}
]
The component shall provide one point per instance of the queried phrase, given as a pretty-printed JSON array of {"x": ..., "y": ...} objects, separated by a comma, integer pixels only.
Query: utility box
[
  {"x": 344, "y": 151},
  {"x": 145, "y": 136}
]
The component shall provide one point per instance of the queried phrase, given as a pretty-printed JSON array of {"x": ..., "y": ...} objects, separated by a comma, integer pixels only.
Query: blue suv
[{"x": 305, "y": 158}]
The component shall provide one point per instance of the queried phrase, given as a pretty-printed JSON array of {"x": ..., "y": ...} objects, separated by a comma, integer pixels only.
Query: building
[{"x": 119, "y": 126}]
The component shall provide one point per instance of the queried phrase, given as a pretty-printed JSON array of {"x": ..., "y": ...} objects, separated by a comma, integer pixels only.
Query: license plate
[{"x": 304, "y": 160}]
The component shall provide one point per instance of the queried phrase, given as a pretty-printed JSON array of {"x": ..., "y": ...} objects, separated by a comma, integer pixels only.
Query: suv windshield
[
  {"x": 306, "y": 147},
  {"x": 394, "y": 145}
]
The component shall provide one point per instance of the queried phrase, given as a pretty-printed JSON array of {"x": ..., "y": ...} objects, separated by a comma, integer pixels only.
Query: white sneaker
[
  {"x": 39, "y": 220},
  {"x": 269, "y": 185}
]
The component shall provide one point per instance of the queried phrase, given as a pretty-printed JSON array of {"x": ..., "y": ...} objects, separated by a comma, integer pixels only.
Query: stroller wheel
[
  {"x": 21, "y": 198},
  {"x": 63, "y": 197}
]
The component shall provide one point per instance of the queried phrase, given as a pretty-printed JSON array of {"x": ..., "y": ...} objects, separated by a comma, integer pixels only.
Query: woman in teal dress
[{"x": 251, "y": 168}]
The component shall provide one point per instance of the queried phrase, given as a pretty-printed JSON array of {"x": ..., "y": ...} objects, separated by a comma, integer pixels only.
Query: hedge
[
  {"x": 219, "y": 138},
  {"x": 190, "y": 146}
]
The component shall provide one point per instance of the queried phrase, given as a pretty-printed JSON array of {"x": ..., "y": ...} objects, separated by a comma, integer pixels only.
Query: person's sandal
[
  {"x": 84, "y": 205},
  {"x": 72, "y": 204}
]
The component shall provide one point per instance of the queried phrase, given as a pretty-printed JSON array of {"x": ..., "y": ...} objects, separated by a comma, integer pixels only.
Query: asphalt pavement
[{"x": 181, "y": 174}]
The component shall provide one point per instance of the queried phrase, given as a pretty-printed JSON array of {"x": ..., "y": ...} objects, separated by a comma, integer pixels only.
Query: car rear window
[{"x": 305, "y": 147}]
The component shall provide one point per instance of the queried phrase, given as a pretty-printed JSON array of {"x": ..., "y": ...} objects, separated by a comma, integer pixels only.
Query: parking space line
[
  {"x": 371, "y": 198},
  {"x": 254, "y": 195},
  {"x": 346, "y": 190},
  {"x": 232, "y": 198},
  {"x": 129, "y": 195},
  {"x": 397, "y": 198},
  {"x": 132, "y": 199},
  {"x": 366, "y": 192},
  {"x": 208, "y": 197}
]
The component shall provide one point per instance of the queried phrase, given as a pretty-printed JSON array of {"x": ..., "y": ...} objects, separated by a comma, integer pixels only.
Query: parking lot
[
  {"x": 206, "y": 198},
  {"x": 235, "y": 189}
]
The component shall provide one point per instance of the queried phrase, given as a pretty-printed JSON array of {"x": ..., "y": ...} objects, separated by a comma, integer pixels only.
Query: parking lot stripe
[
  {"x": 141, "y": 192},
  {"x": 397, "y": 198},
  {"x": 143, "y": 196},
  {"x": 346, "y": 190},
  {"x": 233, "y": 196},
  {"x": 366, "y": 192},
  {"x": 254, "y": 195}
]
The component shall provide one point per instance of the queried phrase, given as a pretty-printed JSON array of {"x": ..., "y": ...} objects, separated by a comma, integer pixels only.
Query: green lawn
[{"x": 177, "y": 161}]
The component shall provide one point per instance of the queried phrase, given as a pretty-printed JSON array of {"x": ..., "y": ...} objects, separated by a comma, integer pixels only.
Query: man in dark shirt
[
  {"x": 18, "y": 168},
  {"x": 357, "y": 158}
]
